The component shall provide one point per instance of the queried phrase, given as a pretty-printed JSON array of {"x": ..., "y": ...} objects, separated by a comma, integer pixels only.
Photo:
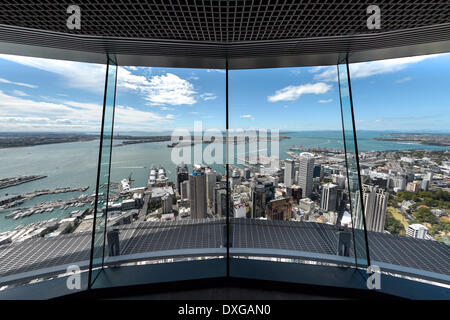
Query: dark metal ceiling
[
  {"x": 201, "y": 33},
  {"x": 223, "y": 21}
]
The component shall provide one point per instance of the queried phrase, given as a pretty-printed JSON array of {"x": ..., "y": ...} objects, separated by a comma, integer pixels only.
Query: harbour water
[{"x": 75, "y": 165}]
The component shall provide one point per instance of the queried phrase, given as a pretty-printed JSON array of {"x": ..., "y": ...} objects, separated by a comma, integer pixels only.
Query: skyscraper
[
  {"x": 425, "y": 184},
  {"x": 262, "y": 192},
  {"x": 258, "y": 201},
  {"x": 184, "y": 186},
  {"x": 210, "y": 185},
  {"x": 197, "y": 193},
  {"x": 305, "y": 174},
  {"x": 375, "y": 204},
  {"x": 329, "y": 197},
  {"x": 220, "y": 201},
  {"x": 289, "y": 172},
  {"x": 318, "y": 171},
  {"x": 182, "y": 175}
]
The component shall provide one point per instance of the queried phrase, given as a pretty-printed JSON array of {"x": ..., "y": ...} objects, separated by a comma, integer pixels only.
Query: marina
[
  {"x": 14, "y": 181},
  {"x": 50, "y": 206},
  {"x": 20, "y": 199}
]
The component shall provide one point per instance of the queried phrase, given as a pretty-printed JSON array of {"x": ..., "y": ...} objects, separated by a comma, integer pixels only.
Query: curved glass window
[
  {"x": 50, "y": 121},
  {"x": 402, "y": 119}
]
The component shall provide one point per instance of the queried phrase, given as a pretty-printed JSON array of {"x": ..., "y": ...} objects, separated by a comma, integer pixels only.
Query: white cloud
[
  {"x": 126, "y": 79},
  {"x": 2, "y": 80},
  {"x": 215, "y": 70},
  {"x": 291, "y": 93},
  {"x": 170, "y": 89},
  {"x": 326, "y": 101},
  {"x": 159, "y": 90},
  {"x": 87, "y": 76},
  {"x": 403, "y": 80},
  {"x": 19, "y": 93},
  {"x": 208, "y": 96},
  {"x": 317, "y": 69},
  {"x": 368, "y": 69},
  {"x": 17, "y": 113},
  {"x": 247, "y": 116},
  {"x": 328, "y": 74}
]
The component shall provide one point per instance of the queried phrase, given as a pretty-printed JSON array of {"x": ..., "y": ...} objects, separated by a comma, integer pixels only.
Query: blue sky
[{"x": 406, "y": 94}]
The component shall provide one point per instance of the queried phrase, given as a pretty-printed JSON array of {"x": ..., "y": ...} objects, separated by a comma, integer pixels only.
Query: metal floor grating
[{"x": 143, "y": 237}]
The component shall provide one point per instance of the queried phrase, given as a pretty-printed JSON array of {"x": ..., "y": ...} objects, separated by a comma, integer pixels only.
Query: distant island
[
  {"x": 18, "y": 139},
  {"x": 126, "y": 140},
  {"x": 430, "y": 139}
]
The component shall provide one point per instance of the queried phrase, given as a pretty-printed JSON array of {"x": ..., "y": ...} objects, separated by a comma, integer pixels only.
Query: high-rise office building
[
  {"x": 305, "y": 174},
  {"x": 182, "y": 175},
  {"x": 247, "y": 173},
  {"x": 235, "y": 178},
  {"x": 211, "y": 178},
  {"x": 318, "y": 172},
  {"x": 375, "y": 203},
  {"x": 425, "y": 184},
  {"x": 339, "y": 180},
  {"x": 184, "y": 190},
  {"x": 295, "y": 192},
  {"x": 400, "y": 183},
  {"x": 289, "y": 172},
  {"x": 329, "y": 197},
  {"x": 262, "y": 192},
  {"x": 197, "y": 193},
  {"x": 220, "y": 201},
  {"x": 258, "y": 201}
]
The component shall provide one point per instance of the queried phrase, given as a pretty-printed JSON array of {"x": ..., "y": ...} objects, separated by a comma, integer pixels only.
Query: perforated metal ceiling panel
[
  {"x": 203, "y": 34},
  {"x": 223, "y": 21}
]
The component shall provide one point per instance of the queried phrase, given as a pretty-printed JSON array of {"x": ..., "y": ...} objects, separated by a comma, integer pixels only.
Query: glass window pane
[
  {"x": 167, "y": 181},
  {"x": 288, "y": 167},
  {"x": 359, "y": 232},
  {"x": 50, "y": 120},
  {"x": 103, "y": 179},
  {"x": 402, "y": 118}
]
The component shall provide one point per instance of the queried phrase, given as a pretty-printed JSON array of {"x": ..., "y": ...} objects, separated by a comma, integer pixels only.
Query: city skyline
[{"x": 68, "y": 96}]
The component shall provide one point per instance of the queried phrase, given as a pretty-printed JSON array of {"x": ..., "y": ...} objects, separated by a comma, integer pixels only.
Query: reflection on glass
[
  {"x": 351, "y": 154},
  {"x": 102, "y": 205}
]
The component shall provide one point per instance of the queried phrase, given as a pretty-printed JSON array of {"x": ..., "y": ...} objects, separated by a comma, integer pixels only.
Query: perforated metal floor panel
[{"x": 144, "y": 237}]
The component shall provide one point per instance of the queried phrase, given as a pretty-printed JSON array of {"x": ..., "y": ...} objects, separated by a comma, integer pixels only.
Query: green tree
[
  {"x": 393, "y": 225},
  {"x": 425, "y": 215}
]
